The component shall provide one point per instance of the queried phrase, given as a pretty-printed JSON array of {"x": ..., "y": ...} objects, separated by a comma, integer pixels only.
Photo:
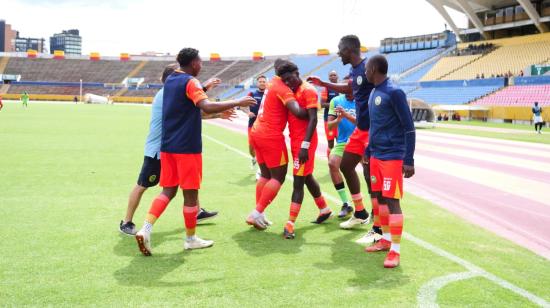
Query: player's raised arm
[
  {"x": 338, "y": 87},
  {"x": 401, "y": 107}
]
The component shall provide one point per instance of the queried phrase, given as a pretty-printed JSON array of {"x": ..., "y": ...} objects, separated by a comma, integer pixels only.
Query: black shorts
[{"x": 150, "y": 172}]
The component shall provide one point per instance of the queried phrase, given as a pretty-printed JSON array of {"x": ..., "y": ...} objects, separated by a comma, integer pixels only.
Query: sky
[{"x": 230, "y": 28}]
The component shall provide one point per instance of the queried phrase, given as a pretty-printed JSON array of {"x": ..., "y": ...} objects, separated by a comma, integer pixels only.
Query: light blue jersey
[
  {"x": 152, "y": 144},
  {"x": 345, "y": 128}
]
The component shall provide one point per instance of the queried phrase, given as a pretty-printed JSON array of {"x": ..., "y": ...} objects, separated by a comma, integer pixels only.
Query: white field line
[
  {"x": 436, "y": 250},
  {"x": 427, "y": 295}
]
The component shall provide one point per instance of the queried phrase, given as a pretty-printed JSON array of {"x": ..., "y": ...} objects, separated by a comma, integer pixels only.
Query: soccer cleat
[
  {"x": 258, "y": 174},
  {"x": 345, "y": 211},
  {"x": 381, "y": 245},
  {"x": 197, "y": 243},
  {"x": 266, "y": 221},
  {"x": 369, "y": 238},
  {"x": 127, "y": 228},
  {"x": 288, "y": 232},
  {"x": 204, "y": 215},
  {"x": 257, "y": 223},
  {"x": 392, "y": 260},
  {"x": 144, "y": 242},
  {"x": 322, "y": 217},
  {"x": 353, "y": 222},
  {"x": 253, "y": 163}
]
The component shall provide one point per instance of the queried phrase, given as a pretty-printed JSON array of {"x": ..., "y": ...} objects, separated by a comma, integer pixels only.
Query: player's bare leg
[
  {"x": 334, "y": 163},
  {"x": 347, "y": 166},
  {"x": 127, "y": 226}
]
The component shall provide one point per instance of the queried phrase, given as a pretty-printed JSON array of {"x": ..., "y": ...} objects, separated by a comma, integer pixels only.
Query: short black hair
[
  {"x": 284, "y": 66},
  {"x": 261, "y": 76},
  {"x": 351, "y": 42},
  {"x": 168, "y": 70},
  {"x": 380, "y": 63},
  {"x": 186, "y": 55}
]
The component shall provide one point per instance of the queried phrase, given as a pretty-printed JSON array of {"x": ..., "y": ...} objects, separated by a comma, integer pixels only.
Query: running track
[{"x": 502, "y": 186}]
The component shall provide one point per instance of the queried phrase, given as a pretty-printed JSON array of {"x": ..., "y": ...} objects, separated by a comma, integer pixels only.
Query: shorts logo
[
  {"x": 152, "y": 178},
  {"x": 373, "y": 179},
  {"x": 296, "y": 164},
  {"x": 387, "y": 184},
  {"x": 378, "y": 100},
  {"x": 359, "y": 80}
]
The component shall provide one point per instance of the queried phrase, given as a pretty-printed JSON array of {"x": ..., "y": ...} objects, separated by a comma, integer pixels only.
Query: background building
[
  {"x": 22, "y": 44},
  {"x": 7, "y": 37},
  {"x": 69, "y": 41}
]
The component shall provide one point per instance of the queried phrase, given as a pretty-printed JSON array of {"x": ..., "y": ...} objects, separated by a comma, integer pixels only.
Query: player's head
[
  {"x": 168, "y": 70},
  {"x": 536, "y": 104},
  {"x": 349, "y": 47},
  {"x": 333, "y": 76},
  {"x": 376, "y": 68},
  {"x": 261, "y": 82},
  {"x": 188, "y": 59},
  {"x": 288, "y": 72}
]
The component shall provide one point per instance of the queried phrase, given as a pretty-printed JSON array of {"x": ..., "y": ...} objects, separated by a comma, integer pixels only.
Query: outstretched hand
[
  {"x": 212, "y": 83},
  {"x": 229, "y": 114},
  {"x": 246, "y": 101},
  {"x": 315, "y": 80}
]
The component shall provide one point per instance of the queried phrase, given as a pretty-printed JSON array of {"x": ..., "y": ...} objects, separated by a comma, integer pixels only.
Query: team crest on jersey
[
  {"x": 378, "y": 100},
  {"x": 359, "y": 80},
  {"x": 152, "y": 178},
  {"x": 373, "y": 179}
]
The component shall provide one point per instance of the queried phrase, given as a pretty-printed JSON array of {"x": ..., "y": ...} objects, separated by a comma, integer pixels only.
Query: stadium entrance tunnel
[{"x": 421, "y": 112}]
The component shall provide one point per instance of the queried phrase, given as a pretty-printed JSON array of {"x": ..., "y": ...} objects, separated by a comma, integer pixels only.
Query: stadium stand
[
  {"x": 400, "y": 62},
  {"x": 524, "y": 95},
  {"x": 447, "y": 65},
  {"x": 511, "y": 55},
  {"x": 419, "y": 73},
  {"x": 455, "y": 92},
  {"x": 309, "y": 63}
]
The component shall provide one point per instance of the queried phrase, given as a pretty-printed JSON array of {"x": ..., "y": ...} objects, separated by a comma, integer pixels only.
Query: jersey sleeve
[
  {"x": 324, "y": 94},
  {"x": 311, "y": 98},
  {"x": 194, "y": 91},
  {"x": 403, "y": 112},
  {"x": 284, "y": 94},
  {"x": 332, "y": 107}
]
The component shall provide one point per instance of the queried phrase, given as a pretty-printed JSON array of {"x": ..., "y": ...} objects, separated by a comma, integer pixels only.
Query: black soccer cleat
[
  {"x": 346, "y": 211},
  {"x": 204, "y": 214},
  {"x": 127, "y": 228},
  {"x": 322, "y": 217}
]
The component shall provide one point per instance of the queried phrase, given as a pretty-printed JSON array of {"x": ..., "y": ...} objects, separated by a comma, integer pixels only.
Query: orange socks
[
  {"x": 396, "y": 230},
  {"x": 294, "y": 211},
  {"x": 268, "y": 193},
  {"x": 358, "y": 202},
  {"x": 384, "y": 213},
  {"x": 190, "y": 218},
  {"x": 259, "y": 187}
]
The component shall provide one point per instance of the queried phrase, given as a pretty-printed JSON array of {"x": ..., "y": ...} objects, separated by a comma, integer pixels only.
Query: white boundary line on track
[{"x": 427, "y": 295}]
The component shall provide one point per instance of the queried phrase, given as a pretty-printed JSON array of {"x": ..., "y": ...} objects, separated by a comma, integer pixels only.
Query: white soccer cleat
[
  {"x": 197, "y": 243},
  {"x": 266, "y": 221},
  {"x": 353, "y": 222},
  {"x": 369, "y": 238},
  {"x": 258, "y": 174},
  {"x": 144, "y": 242}
]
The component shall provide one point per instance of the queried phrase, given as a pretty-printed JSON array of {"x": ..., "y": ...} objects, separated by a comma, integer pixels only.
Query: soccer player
[
  {"x": 150, "y": 170},
  {"x": 349, "y": 50},
  {"x": 303, "y": 144},
  {"x": 253, "y": 113},
  {"x": 326, "y": 97},
  {"x": 25, "y": 99},
  {"x": 342, "y": 116},
  {"x": 391, "y": 152},
  {"x": 537, "y": 117},
  {"x": 181, "y": 146},
  {"x": 269, "y": 144}
]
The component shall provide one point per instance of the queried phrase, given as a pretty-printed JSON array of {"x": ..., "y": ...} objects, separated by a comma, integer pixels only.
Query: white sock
[
  {"x": 395, "y": 247},
  {"x": 191, "y": 238},
  {"x": 256, "y": 214},
  {"x": 147, "y": 227},
  {"x": 386, "y": 236},
  {"x": 325, "y": 210}
]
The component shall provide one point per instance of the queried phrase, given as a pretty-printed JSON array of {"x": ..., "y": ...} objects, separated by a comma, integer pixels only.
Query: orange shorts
[
  {"x": 358, "y": 142},
  {"x": 386, "y": 176},
  {"x": 183, "y": 170},
  {"x": 331, "y": 134},
  {"x": 270, "y": 151},
  {"x": 306, "y": 168}
]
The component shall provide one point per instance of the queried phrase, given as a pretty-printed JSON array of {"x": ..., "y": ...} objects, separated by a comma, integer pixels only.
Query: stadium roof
[{"x": 471, "y": 7}]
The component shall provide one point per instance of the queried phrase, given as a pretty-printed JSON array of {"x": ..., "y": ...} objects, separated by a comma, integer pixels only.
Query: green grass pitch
[{"x": 66, "y": 174}]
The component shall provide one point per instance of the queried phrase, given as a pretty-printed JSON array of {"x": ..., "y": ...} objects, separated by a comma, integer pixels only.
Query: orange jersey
[
  {"x": 307, "y": 98},
  {"x": 273, "y": 115}
]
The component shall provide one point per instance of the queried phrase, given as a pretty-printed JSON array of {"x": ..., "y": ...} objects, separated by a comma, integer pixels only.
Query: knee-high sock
[
  {"x": 396, "y": 229},
  {"x": 321, "y": 203},
  {"x": 269, "y": 192},
  {"x": 190, "y": 218},
  {"x": 375, "y": 212},
  {"x": 384, "y": 213},
  {"x": 259, "y": 187},
  {"x": 157, "y": 208},
  {"x": 341, "y": 190},
  {"x": 294, "y": 211},
  {"x": 358, "y": 202}
]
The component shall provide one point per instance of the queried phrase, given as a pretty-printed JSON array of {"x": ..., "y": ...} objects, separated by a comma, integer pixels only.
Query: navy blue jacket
[
  {"x": 258, "y": 95},
  {"x": 361, "y": 91},
  {"x": 392, "y": 135}
]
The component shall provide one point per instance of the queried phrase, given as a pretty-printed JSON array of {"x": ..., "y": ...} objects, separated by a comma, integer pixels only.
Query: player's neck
[
  {"x": 379, "y": 79},
  {"x": 355, "y": 60}
]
